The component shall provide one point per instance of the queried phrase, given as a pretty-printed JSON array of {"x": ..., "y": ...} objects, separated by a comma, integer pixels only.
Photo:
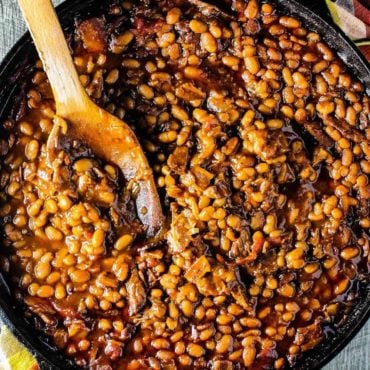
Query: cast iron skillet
[{"x": 17, "y": 64}]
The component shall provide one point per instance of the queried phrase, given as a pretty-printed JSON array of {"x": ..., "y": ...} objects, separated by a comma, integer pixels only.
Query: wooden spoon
[{"x": 107, "y": 136}]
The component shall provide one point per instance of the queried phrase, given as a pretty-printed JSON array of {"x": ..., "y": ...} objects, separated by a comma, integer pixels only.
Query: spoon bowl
[{"x": 107, "y": 136}]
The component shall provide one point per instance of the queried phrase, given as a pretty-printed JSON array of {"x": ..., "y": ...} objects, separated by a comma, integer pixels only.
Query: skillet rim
[{"x": 357, "y": 64}]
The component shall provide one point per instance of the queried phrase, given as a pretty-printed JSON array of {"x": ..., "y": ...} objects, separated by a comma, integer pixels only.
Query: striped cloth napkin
[
  {"x": 13, "y": 355},
  {"x": 353, "y": 17}
]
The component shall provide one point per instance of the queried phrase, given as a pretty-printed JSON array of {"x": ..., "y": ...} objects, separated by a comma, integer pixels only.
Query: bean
[
  {"x": 34, "y": 209},
  {"x": 351, "y": 116},
  {"x": 64, "y": 202},
  {"x": 287, "y": 290},
  {"x": 45, "y": 291},
  {"x": 13, "y": 188},
  {"x": 252, "y": 64},
  {"x": 321, "y": 85},
  {"x": 168, "y": 136},
  {"x": 292, "y": 306},
  {"x": 131, "y": 63},
  {"x": 53, "y": 277},
  {"x": 251, "y": 10},
  {"x": 165, "y": 355},
  {"x": 320, "y": 66},
  {"x": 121, "y": 270},
  {"x": 105, "y": 279},
  {"x": 69, "y": 260},
  {"x": 105, "y": 305},
  {"x": 195, "y": 350},
  {"x": 83, "y": 165},
  {"x": 287, "y": 76},
  {"x": 299, "y": 80},
  {"x": 289, "y": 22},
  {"x": 85, "y": 80},
  {"x": 325, "y": 107},
  {"x": 206, "y": 334},
  {"x": 225, "y": 344},
  {"x": 160, "y": 343},
  {"x": 270, "y": 331},
  {"x": 180, "y": 348},
  {"x": 19, "y": 221},
  {"x": 193, "y": 72},
  {"x": 33, "y": 288},
  {"x": 177, "y": 336},
  {"x": 83, "y": 345},
  {"x": 341, "y": 286},
  {"x": 345, "y": 80},
  {"x": 310, "y": 57},
  {"x": 288, "y": 316},
  {"x": 173, "y": 16},
  {"x": 288, "y": 95},
  {"x": 123, "y": 242},
  {"x": 166, "y": 39},
  {"x": 42, "y": 270},
  {"x": 306, "y": 315},
  {"x": 105, "y": 324},
  {"x": 50, "y": 206},
  {"x": 112, "y": 76},
  {"x": 275, "y": 124},
  {"x": 267, "y": 8},
  {"x": 287, "y": 111},
  {"x": 325, "y": 51},
  {"x": 207, "y": 213},
  {"x": 349, "y": 253},
  {"x": 249, "y": 354},
  {"x": 53, "y": 234},
  {"x": 198, "y": 26},
  {"x": 26, "y": 128},
  {"x": 80, "y": 276},
  {"x": 5, "y": 210},
  {"x": 271, "y": 283},
  {"x": 146, "y": 91},
  {"x": 276, "y": 29},
  {"x": 98, "y": 238},
  {"x": 185, "y": 360},
  {"x": 32, "y": 150},
  {"x": 365, "y": 223},
  {"x": 235, "y": 355},
  {"x": 179, "y": 113},
  {"x": 224, "y": 319},
  {"x": 208, "y": 42},
  {"x": 347, "y": 157},
  {"x": 187, "y": 308},
  {"x": 215, "y": 30},
  {"x": 250, "y": 322},
  {"x": 124, "y": 39},
  {"x": 231, "y": 61},
  {"x": 311, "y": 268}
]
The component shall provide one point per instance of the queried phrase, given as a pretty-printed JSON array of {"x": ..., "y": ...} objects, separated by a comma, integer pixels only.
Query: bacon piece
[
  {"x": 136, "y": 293},
  {"x": 93, "y": 35}
]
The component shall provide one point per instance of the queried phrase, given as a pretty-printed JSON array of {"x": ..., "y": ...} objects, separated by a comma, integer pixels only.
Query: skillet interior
[{"x": 17, "y": 65}]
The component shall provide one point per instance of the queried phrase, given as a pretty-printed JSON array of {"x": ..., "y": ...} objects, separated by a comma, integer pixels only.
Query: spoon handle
[{"x": 47, "y": 34}]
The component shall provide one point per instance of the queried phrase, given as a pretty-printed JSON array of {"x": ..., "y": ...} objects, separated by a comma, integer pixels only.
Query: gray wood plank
[{"x": 356, "y": 356}]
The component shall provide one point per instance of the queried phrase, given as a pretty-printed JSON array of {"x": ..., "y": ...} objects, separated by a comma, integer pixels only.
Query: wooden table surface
[{"x": 356, "y": 356}]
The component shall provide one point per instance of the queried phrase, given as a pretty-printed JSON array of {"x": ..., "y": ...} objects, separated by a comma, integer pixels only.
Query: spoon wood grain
[{"x": 106, "y": 135}]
